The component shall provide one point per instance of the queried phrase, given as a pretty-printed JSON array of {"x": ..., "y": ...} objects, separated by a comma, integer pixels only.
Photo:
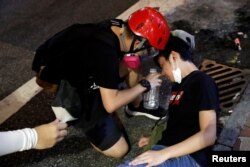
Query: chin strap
[
  {"x": 131, "y": 49},
  {"x": 123, "y": 40},
  {"x": 139, "y": 47}
]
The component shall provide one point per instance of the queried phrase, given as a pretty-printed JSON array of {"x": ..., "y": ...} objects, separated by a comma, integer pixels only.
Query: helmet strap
[
  {"x": 117, "y": 22},
  {"x": 131, "y": 49},
  {"x": 141, "y": 44},
  {"x": 123, "y": 39},
  {"x": 139, "y": 47}
]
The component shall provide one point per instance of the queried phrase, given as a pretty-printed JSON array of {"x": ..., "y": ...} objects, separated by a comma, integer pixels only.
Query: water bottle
[{"x": 151, "y": 98}]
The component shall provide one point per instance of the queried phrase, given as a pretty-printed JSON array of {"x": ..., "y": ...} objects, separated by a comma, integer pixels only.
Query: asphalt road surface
[{"x": 24, "y": 25}]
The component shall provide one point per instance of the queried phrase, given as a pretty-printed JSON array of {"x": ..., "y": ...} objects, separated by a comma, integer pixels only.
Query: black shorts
[
  {"x": 105, "y": 133},
  {"x": 101, "y": 128}
]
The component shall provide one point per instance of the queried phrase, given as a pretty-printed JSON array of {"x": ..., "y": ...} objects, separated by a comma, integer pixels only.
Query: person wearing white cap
[{"x": 192, "y": 119}]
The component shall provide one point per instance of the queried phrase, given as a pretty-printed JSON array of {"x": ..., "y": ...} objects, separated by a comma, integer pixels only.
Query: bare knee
[{"x": 118, "y": 150}]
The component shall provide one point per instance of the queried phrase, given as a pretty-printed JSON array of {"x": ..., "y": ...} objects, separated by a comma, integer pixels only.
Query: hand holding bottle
[
  {"x": 151, "y": 98},
  {"x": 153, "y": 78}
]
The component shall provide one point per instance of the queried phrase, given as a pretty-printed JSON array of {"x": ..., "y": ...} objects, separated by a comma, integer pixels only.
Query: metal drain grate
[{"x": 231, "y": 82}]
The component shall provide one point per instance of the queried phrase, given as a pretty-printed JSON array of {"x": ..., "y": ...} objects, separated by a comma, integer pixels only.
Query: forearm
[
  {"x": 113, "y": 100},
  {"x": 194, "y": 143},
  {"x": 18, "y": 140},
  {"x": 133, "y": 78}
]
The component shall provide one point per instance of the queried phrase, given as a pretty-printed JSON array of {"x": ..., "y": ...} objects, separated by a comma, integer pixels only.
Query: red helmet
[{"x": 150, "y": 24}]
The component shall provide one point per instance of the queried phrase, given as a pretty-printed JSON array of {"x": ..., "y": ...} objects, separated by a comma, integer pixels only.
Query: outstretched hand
[{"x": 50, "y": 134}]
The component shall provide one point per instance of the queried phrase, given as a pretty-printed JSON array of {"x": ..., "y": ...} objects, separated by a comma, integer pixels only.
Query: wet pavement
[{"x": 215, "y": 25}]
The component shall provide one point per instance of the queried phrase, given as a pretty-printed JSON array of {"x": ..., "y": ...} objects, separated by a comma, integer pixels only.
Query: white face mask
[{"x": 177, "y": 75}]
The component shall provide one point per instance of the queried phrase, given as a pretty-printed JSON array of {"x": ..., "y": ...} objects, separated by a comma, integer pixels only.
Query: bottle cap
[{"x": 152, "y": 70}]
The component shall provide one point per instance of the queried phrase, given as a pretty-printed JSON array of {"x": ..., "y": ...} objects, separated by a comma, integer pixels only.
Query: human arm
[
  {"x": 40, "y": 137},
  {"x": 114, "y": 98},
  {"x": 204, "y": 138}
]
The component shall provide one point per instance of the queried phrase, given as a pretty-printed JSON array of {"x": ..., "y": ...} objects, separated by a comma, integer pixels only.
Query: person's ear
[
  {"x": 137, "y": 44},
  {"x": 174, "y": 55},
  {"x": 173, "y": 58}
]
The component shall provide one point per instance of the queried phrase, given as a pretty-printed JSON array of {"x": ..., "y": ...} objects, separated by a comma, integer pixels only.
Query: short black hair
[{"x": 178, "y": 45}]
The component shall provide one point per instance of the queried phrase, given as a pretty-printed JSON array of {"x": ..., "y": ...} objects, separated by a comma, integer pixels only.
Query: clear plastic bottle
[{"x": 151, "y": 98}]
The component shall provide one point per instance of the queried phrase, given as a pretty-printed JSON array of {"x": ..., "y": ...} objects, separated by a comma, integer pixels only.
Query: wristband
[{"x": 146, "y": 84}]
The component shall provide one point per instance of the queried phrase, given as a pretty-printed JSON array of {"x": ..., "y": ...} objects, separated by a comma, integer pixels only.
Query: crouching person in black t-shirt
[
  {"x": 85, "y": 63},
  {"x": 191, "y": 126}
]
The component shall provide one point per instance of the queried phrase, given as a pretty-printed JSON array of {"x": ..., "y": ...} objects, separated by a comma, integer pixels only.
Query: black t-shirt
[
  {"x": 80, "y": 52},
  {"x": 196, "y": 93},
  {"x": 86, "y": 56}
]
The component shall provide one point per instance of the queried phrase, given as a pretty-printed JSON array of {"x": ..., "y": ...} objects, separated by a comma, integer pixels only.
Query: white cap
[
  {"x": 185, "y": 36},
  {"x": 153, "y": 70}
]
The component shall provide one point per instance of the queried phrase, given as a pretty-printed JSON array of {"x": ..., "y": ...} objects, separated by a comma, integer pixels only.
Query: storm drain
[{"x": 231, "y": 82}]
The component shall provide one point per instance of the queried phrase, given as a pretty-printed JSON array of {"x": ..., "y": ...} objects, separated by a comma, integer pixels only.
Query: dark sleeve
[
  {"x": 58, "y": 51},
  {"x": 53, "y": 48},
  {"x": 207, "y": 94},
  {"x": 48, "y": 55},
  {"x": 106, "y": 67},
  {"x": 49, "y": 49}
]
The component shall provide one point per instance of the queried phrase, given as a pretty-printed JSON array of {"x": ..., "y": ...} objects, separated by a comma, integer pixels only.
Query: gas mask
[
  {"x": 132, "y": 60},
  {"x": 142, "y": 52}
]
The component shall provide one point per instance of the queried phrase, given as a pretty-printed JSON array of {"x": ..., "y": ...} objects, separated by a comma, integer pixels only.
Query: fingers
[
  {"x": 145, "y": 158},
  {"x": 143, "y": 141},
  {"x": 138, "y": 162},
  {"x": 142, "y": 144},
  {"x": 139, "y": 159},
  {"x": 154, "y": 76},
  {"x": 154, "y": 79},
  {"x": 56, "y": 121},
  {"x": 63, "y": 133},
  {"x": 59, "y": 139},
  {"x": 62, "y": 126}
]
